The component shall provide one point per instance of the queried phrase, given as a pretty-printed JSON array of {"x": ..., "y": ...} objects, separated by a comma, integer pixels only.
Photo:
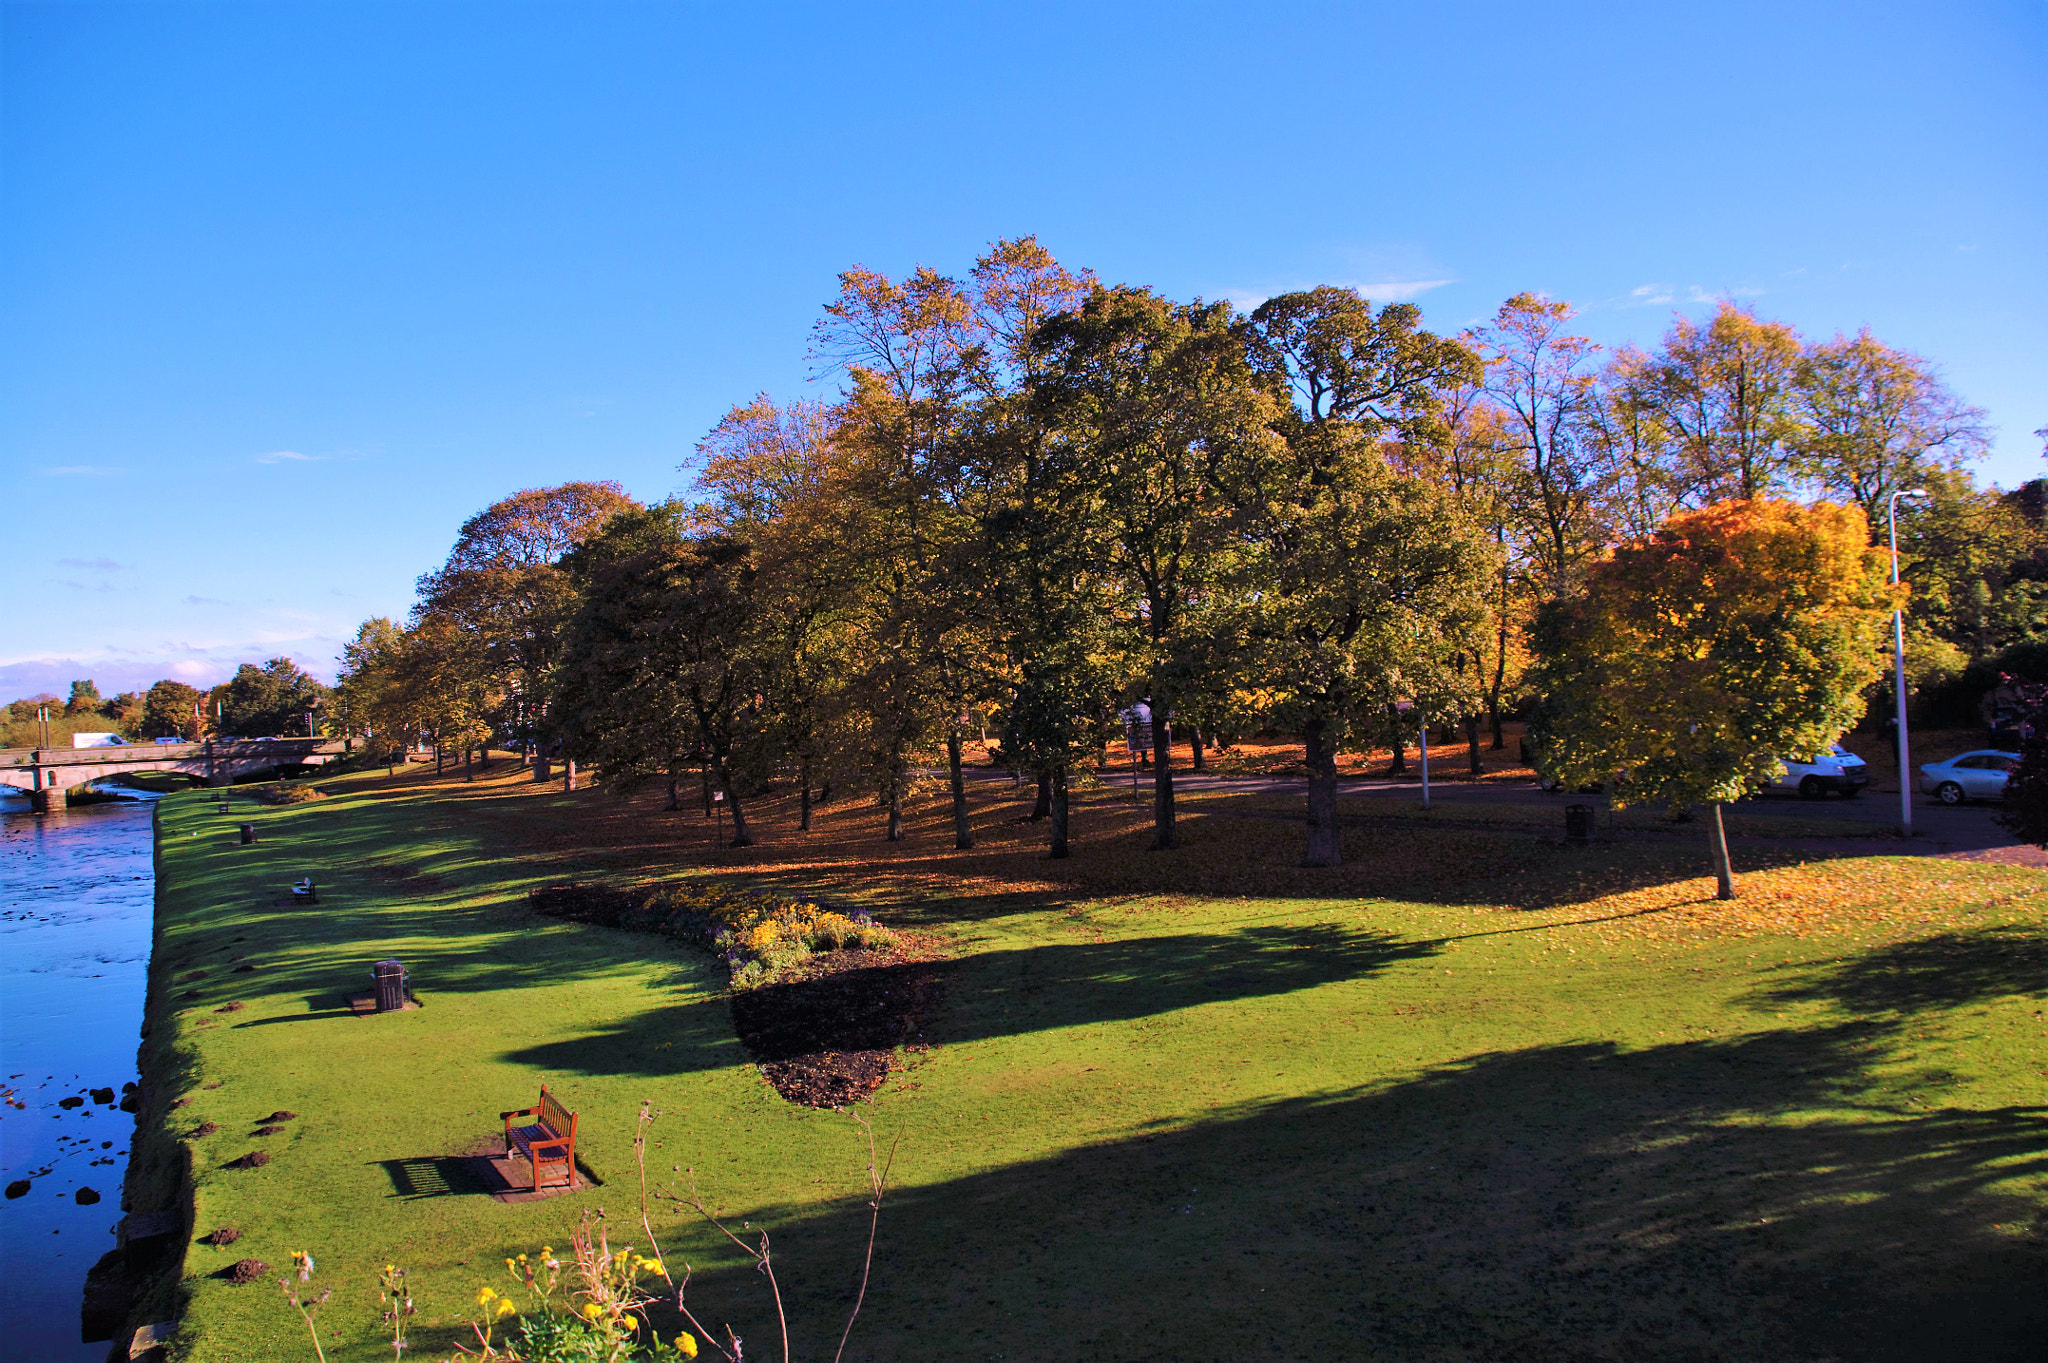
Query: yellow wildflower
[
  {"x": 686, "y": 1344},
  {"x": 591, "y": 1310},
  {"x": 505, "y": 1306},
  {"x": 484, "y": 1296}
]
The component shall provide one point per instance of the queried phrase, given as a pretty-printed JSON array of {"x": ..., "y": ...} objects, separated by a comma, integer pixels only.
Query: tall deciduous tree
[
  {"x": 774, "y": 481},
  {"x": 1699, "y": 656},
  {"x": 273, "y": 699},
  {"x": 656, "y": 660},
  {"x": 1368, "y": 586},
  {"x": 1875, "y": 420},
  {"x": 1726, "y": 391},
  {"x": 170, "y": 709},
  {"x": 907, "y": 350},
  {"x": 502, "y": 589},
  {"x": 1167, "y": 418},
  {"x": 1542, "y": 375}
]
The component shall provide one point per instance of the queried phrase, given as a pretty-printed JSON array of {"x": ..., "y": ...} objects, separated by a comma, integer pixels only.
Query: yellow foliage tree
[{"x": 1699, "y": 655}]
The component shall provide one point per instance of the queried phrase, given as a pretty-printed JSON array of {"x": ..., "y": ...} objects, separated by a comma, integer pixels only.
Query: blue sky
[{"x": 289, "y": 290}]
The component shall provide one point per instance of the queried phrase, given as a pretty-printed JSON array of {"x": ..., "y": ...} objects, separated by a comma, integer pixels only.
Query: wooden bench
[
  {"x": 549, "y": 1140},
  {"x": 305, "y": 892}
]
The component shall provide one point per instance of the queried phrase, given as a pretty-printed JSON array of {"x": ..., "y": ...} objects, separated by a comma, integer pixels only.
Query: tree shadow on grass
[
  {"x": 1947, "y": 970},
  {"x": 1007, "y": 993},
  {"x": 1710, "y": 1202}
]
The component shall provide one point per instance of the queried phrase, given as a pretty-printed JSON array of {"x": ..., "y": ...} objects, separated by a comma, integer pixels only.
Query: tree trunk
[
  {"x": 1162, "y": 781},
  {"x": 1399, "y": 740},
  {"x": 803, "y": 776},
  {"x": 1043, "y": 806},
  {"x": 1054, "y": 784},
  {"x": 437, "y": 757},
  {"x": 468, "y": 765},
  {"x": 963, "y": 835},
  {"x": 1500, "y": 661},
  {"x": 675, "y": 795},
  {"x": 541, "y": 774},
  {"x": 1325, "y": 847},
  {"x": 1195, "y": 747},
  {"x": 1472, "y": 745},
  {"x": 704, "y": 785},
  {"x": 895, "y": 833},
  {"x": 569, "y": 774},
  {"x": 740, "y": 836},
  {"x": 1724, "y": 874}
]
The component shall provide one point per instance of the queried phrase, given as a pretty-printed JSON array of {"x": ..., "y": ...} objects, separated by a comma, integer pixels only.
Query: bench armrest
[
  {"x": 518, "y": 1112},
  {"x": 549, "y": 1143}
]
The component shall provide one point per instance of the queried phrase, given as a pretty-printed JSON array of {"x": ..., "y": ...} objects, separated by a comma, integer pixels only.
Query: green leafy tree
[
  {"x": 1168, "y": 419},
  {"x": 908, "y": 351},
  {"x": 170, "y": 709},
  {"x": 1701, "y": 655},
  {"x": 1874, "y": 420},
  {"x": 656, "y": 660},
  {"x": 85, "y": 699},
  {"x": 503, "y": 592},
  {"x": 1368, "y": 586},
  {"x": 271, "y": 700}
]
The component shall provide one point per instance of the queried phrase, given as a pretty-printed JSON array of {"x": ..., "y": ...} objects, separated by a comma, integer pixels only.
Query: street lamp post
[{"x": 1899, "y": 667}]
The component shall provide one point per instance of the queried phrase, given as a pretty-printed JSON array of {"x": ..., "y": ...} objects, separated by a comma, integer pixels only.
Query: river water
[{"x": 76, "y": 891}]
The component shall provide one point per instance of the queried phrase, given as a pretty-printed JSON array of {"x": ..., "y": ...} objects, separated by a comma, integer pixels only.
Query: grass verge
[{"x": 1464, "y": 1098}]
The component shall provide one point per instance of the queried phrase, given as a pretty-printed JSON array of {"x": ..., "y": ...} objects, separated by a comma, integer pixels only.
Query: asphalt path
[{"x": 1969, "y": 831}]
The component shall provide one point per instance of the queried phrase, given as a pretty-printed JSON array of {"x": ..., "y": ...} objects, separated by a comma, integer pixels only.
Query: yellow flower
[
  {"x": 654, "y": 1266},
  {"x": 505, "y": 1306},
  {"x": 632, "y": 1322},
  {"x": 484, "y": 1296},
  {"x": 591, "y": 1310},
  {"x": 686, "y": 1344}
]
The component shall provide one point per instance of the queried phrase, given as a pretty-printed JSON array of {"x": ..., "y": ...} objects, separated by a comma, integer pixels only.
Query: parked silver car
[
  {"x": 1979, "y": 775},
  {"x": 1835, "y": 769}
]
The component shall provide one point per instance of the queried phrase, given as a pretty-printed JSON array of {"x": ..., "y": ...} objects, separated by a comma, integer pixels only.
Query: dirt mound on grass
[{"x": 829, "y": 1031}]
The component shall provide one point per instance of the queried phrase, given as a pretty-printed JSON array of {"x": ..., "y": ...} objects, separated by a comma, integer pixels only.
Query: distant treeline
[{"x": 274, "y": 699}]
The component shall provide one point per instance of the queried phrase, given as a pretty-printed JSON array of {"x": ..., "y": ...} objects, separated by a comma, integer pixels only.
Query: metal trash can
[
  {"x": 392, "y": 983},
  {"x": 1578, "y": 825},
  {"x": 248, "y": 833}
]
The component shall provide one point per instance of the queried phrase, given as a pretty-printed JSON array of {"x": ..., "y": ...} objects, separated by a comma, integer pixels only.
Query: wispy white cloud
[
  {"x": 82, "y": 471},
  {"x": 289, "y": 456},
  {"x": 1648, "y": 295},
  {"x": 97, "y": 565}
]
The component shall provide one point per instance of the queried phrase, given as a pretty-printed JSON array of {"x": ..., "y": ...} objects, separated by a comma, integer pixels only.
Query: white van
[{"x": 1836, "y": 769}]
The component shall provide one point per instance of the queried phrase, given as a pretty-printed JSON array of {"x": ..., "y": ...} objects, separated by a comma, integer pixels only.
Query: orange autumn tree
[{"x": 1698, "y": 656}]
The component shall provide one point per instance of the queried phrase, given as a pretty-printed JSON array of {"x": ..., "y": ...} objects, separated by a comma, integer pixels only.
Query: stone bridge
[{"x": 43, "y": 772}]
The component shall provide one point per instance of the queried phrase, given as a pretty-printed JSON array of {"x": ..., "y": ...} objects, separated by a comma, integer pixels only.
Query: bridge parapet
[{"x": 143, "y": 754}]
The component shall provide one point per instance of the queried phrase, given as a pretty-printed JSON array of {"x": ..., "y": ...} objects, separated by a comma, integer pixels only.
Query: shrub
[{"x": 757, "y": 933}]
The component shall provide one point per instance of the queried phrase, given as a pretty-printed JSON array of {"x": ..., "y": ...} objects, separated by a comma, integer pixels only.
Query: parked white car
[
  {"x": 1979, "y": 775},
  {"x": 1837, "y": 769}
]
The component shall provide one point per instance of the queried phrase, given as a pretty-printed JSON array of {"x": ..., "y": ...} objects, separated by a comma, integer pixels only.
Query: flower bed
[{"x": 757, "y": 933}]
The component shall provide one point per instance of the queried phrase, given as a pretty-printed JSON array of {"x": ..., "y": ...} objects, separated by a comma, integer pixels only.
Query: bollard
[
  {"x": 392, "y": 984},
  {"x": 248, "y": 833},
  {"x": 1578, "y": 825}
]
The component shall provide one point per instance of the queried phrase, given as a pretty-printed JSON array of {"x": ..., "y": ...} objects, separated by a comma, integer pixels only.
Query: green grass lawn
[{"x": 1460, "y": 1101}]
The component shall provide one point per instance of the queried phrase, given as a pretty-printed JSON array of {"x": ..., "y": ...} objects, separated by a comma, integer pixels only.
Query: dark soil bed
[{"x": 828, "y": 1033}]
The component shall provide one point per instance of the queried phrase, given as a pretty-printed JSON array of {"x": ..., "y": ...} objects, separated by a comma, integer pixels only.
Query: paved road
[{"x": 1938, "y": 830}]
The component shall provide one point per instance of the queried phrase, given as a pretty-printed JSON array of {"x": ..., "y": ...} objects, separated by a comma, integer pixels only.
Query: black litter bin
[
  {"x": 1578, "y": 824},
  {"x": 248, "y": 832},
  {"x": 392, "y": 983}
]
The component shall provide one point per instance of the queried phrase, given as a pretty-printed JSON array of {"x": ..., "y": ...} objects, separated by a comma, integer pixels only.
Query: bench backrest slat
[{"x": 555, "y": 1115}]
